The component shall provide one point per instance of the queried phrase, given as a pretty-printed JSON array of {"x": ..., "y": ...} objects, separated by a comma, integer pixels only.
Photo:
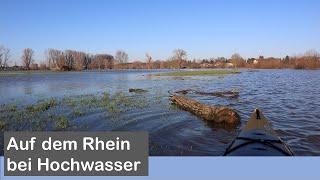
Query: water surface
[{"x": 288, "y": 98}]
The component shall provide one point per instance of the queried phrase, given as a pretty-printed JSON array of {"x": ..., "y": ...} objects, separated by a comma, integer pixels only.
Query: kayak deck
[{"x": 258, "y": 138}]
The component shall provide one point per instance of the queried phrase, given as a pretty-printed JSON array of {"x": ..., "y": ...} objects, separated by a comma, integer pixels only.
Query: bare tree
[
  {"x": 79, "y": 58},
  {"x": 61, "y": 63},
  {"x": 121, "y": 57},
  {"x": 4, "y": 56},
  {"x": 179, "y": 55},
  {"x": 149, "y": 61},
  {"x": 69, "y": 59},
  {"x": 237, "y": 60},
  {"x": 87, "y": 60},
  {"x": 55, "y": 59},
  {"x": 27, "y": 57},
  {"x": 312, "y": 54}
]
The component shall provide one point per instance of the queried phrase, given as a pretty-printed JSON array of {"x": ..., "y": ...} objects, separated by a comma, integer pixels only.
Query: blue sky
[{"x": 204, "y": 28}]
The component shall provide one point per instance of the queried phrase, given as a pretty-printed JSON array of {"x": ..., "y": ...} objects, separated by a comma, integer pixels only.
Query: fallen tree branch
[
  {"x": 217, "y": 114},
  {"x": 228, "y": 94},
  {"x": 137, "y": 90}
]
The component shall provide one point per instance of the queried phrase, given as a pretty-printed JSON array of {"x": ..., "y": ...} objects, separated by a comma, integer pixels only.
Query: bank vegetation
[{"x": 73, "y": 60}]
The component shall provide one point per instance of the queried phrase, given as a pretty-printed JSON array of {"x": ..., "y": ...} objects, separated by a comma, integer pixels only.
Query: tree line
[{"x": 73, "y": 60}]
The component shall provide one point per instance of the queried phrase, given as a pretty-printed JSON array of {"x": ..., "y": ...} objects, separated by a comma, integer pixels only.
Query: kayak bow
[{"x": 258, "y": 138}]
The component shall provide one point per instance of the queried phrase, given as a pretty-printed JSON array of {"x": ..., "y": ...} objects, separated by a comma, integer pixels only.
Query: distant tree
[
  {"x": 179, "y": 55},
  {"x": 53, "y": 56},
  {"x": 102, "y": 61},
  {"x": 69, "y": 59},
  {"x": 286, "y": 60},
  {"x": 221, "y": 59},
  {"x": 27, "y": 57},
  {"x": 237, "y": 60},
  {"x": 79, "y": 58},
  {"x": 149, "y": 61},
  {"x": 121, "y": 57},
  {"x": 4, "y": 56},
  {"x": 312, "y": 53},
  {"x": 87, "y": 60}
]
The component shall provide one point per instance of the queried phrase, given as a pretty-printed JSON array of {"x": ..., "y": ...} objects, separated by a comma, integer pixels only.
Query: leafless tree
[
  {"x": 79, "y": 58},
  {"x": 87, "y": 60},
  {"x": 179, "y": 55},
  {"x": 237, "y": 60},
  {"x": 102, "y": 61},
  {"x": 27, "y": 57},
  {"x": 4, "y": 56},
  {"x": 61, "y": 63},
  {"x": 121, "y": 57},
  {"x": 312, "y": 54},
  {"x": 53, "y": 56},
  {"x": 149, "y": 61},
  {"x": 69, "y": 59}
]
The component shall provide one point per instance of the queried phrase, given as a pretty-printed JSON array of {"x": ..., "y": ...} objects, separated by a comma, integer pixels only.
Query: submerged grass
[
  {"x": 2, "y": 125},
  {"x": 77, "y": 113},
  {"x": 42, "y": 106},
  {"x": 8, "y": 108},
  {"x": 60, "y": 113},
  {"x": 213, "y": 72},
  {"x": 62, "y": 123}
]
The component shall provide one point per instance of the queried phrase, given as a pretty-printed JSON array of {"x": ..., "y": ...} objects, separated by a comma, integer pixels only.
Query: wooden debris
[
  {"x": 227, "y": 94},
  {"x": 184, "y": 91},
  {"x": 217, "y": 114},
  {"x": 137, "y": 90}
]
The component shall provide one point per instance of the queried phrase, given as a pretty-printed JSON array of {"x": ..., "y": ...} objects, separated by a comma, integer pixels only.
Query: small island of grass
[{"x": 212, "y": 72}]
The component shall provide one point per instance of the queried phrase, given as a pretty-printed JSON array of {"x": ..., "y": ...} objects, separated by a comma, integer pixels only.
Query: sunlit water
[{"x": 288, "y": 98}]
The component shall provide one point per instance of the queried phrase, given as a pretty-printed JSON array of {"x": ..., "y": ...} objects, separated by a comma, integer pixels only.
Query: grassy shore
[
  {"x": 17, "y": 73},
  {"x": 213, "y": 72}
]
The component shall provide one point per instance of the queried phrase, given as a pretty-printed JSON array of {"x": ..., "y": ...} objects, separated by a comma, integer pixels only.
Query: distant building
[
  {"x": 207, "y": 65},
  {"x": 34, "y": 67},
  {"x": 229, "y": 65}
]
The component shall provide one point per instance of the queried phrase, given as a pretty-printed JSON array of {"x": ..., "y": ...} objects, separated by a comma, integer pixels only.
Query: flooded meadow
[{"x": 101, "y": 101}]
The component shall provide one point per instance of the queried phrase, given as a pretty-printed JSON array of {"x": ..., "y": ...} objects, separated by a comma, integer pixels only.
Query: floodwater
[{"x": 288, "y": 98}]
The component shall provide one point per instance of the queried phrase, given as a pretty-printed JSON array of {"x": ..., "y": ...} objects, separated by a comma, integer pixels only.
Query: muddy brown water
[{"x": 288, "y": 98}]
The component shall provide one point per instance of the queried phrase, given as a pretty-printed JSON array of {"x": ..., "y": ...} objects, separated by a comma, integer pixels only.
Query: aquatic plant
[
  {"x": 42, "y": 106},
  {"x": 89, "y": 100},
  {"x": 10, "y": 107},
  {"x": 77, "y": 113},
  {"x": 61, "y": 123},
  {"x": 2, "y": 125},
  {"x": 112, "y": 108},
  {"x": 105, "y": 99},
  {"x": 69, "y": 101}
]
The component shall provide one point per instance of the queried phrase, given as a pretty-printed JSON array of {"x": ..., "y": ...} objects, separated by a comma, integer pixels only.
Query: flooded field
[{"x": 100, "y": 101}]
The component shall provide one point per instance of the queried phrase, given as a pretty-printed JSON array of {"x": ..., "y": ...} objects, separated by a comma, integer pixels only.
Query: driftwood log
[
  {"x": 226, "y": 94},
  {"x": 217, "y": 114},
  {"x": 137, "y": 90}
]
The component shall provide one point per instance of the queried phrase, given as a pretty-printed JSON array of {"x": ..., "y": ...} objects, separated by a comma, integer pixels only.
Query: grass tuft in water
[
  {"x": 77, "y": 113},
  {"x": 10, "y": 108},
  {"x": 61, "y": 123},
  {"x": 42, "y": 106},
  {"x": 2, "y": 125}
]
